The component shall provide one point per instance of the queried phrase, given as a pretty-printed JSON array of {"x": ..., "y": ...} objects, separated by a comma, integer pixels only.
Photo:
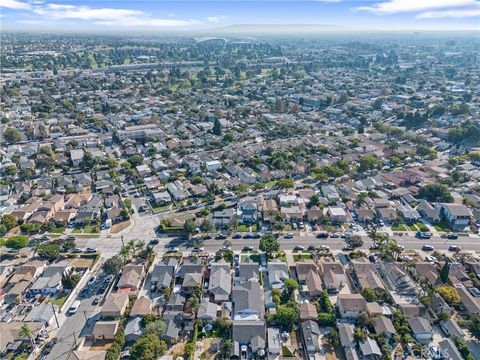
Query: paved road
[
  {"x": 110, "y": 246},
  {"x": 72, "y": 329}
]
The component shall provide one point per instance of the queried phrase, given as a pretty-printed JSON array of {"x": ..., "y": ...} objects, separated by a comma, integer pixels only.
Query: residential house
[
  {"x": 408, "y": 214},
  {"x": 333, "y": 275},
  {"x": 369, "y": 349},
  {"x": 248, "y": 337},
  {"x": 311, "y": 337},
  {"x": 247, "y": 212},
  {"x": 162, "y": 274},
  {"x": 452, "y": 329},
  {"x": 421, "y": 328},
  {"x": 274, "y": 342},
  {"x": 220, "y": 285},
  {"x": 384, "y": 325},
  {"x": 428, "y": 211},
  {"x": 131, "y": 277},
  {"x": 448, "y": 350},
  {"x": 470, "y": 304},
  {"x": 133, "y": 330},
  {"x": 337, "y": 214},
  {"x": 351, "y": 306},
  {"x": 277, "y": 273},
  {"x": 105, "y": 330},
  {"x": 114, "y": 306},
  {"x": 12, "y": 337},
  {"x": 141, "y": 307},
  {"x": 308, "y": 311},
  {"x": 458, "y": 216},
  {"x": 207, "y": 310},
  {"x": 346, "y": 333},
  {"x": 247, "y": 299}
]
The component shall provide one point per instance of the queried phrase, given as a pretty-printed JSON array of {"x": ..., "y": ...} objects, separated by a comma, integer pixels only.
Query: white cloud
[
  {"x": 450, "y": 14},
  {"x": 402, "y": 6},
  {"x": 216, "y": 19},
  {"x": 101, "y": 16},
  {"x": 15, "y": 5}
]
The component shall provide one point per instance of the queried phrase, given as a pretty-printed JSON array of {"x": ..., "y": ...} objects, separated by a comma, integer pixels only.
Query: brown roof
[
  {"x": 314, "y": 283},
  {"x": 308, "y": 311},
  {"x": 304, "y": 267},
  {"x": 105, "y": 328},
  {"x": 142, "y": 306},
  {"x": 352, "y": 302}
]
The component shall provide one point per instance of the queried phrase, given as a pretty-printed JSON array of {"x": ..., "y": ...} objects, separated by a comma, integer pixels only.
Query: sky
[{"x": 188, "y": 15}]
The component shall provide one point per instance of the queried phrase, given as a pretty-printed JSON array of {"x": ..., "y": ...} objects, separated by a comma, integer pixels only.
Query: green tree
[
  {"x": 369, "y": 162},
  {"x": 206, "y": 226},
  {"x": 287, "y": 316},
  {"x": 157, "y": 328},
  {"x": 9, "y": 221},
  {"x": 29, "y": 228},
  {"x": 189, "y": 228},
  {"x": 70, "y": 280},
  {"x": 474, "y": 326},
  {"x": 449, "y": 294},
  {"x": 435, "y": 193},
  {"x": 284, "y": 184},
  {"x": 290, "y": 285},
  {"x": 217, "y": 127},
  {"x": 113, "y": 265},
  {"x": 48, "y": 251},
  {"x": 148, "y": 347},
  {"x": 17, "y": 242},
  {"x": 269, "y": 244},
  {"x": 332, "y": 338},
  {"x": 354, "y": 241},
  {"x": 11, "y": 135},
  {"x": 369, "y": 294}
]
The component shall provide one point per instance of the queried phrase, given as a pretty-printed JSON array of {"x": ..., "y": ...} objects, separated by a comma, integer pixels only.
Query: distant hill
[{"x": 278, "y": 28}]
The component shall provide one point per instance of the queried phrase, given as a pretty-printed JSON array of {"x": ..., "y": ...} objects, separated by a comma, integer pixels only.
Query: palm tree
[
  {"x": 131, "y": 247},
  {"x": 193, "y": 304},
  {"x": 138, "y": 246},
  {"x": 27, "y": 333},
  {"x": 125, "y": 253}
]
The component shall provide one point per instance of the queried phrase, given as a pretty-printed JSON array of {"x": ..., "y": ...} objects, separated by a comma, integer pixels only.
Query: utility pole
[{"x": 55, "y": 314}]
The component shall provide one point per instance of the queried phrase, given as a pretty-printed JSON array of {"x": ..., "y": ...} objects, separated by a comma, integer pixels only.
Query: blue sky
[{"x": 177, "y": 15}]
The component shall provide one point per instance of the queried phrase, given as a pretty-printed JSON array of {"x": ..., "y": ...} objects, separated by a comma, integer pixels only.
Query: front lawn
[
  {"x": 297, "y": 257},
  {"x": 398, "y": 227},
  {"x": 246, "y": 228},
  {"x": 60, "y": 300},
  {"x": 58, "y": 230},
  {"x": 421, "y": 226},
  {"x": 442, "y": 227}
]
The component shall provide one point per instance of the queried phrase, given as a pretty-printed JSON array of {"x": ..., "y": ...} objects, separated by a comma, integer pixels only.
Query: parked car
[
  {"x": 247, "y": 248},
  {"x": 347, "y": 248},
  {"x": 453, "y": 248},
  {"x": 452, "y": 236},
  {"x": 289, "y": 236},
  {"x": 90, "y": 250},
  {"x": 197, "y": 249},
  {"x": 299, "y": 248},
  {"x": 324, "y": 247},
  {"x": 335, "y": 236},
  {"x": 96, "y": 301},
  {"x": 73, "y": 309},
  {"x": 322, "y": 235},
  {"x": 427, "y": 248},
  {"x": 92, "y": 280},
  {"x": 237, "y": 236},
  {"x": 221, "y": 237},
  {"x": 225, "y": 248}
]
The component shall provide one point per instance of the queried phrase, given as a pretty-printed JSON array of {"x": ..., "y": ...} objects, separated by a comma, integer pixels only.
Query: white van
[{"x": 73, "y": 309}]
